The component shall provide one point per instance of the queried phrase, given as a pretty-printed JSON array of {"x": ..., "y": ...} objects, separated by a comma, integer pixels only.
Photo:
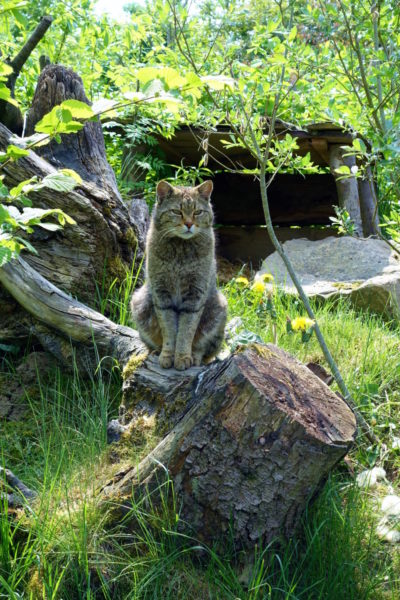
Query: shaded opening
[{"x": 300, "y": 205}]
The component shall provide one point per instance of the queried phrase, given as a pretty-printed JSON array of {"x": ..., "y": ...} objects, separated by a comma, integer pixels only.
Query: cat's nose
[{"x": 188, "y": 224}]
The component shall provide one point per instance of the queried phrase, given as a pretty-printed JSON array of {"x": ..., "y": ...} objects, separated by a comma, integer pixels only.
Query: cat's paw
[
  {"x": 197, "y": 358},
  {"x": 183, "y": 361},
  {"x": 166, "y": 360}
]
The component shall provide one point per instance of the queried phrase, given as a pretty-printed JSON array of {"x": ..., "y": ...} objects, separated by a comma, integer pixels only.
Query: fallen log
[
  {"x": 246, "y": 441},
  {"x": 66, "y": 321}
]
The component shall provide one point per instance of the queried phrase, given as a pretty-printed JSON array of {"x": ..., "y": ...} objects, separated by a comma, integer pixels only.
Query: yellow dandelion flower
[
  {"x": 259, "y": 287},
  {"x": 242, "y": 280},
  {"x": 265, "y": 277},
  {"x": 301, "y": 323}
]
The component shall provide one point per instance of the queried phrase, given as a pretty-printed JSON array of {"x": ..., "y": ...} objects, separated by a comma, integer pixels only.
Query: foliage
[{"x": 14, "y": 220}]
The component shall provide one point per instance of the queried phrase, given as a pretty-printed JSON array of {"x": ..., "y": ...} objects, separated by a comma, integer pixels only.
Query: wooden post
[
  {"x": 347, "y": 188},
  {"x": 368, "y": 205}
]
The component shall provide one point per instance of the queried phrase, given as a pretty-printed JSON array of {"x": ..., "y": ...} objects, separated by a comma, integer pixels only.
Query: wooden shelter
[{"x": 300, "y": 205}]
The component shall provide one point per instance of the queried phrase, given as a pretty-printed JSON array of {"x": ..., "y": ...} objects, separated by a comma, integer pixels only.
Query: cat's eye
[
  {"x": 176, "y": 212},
  {"x": 198, "y": 212}
]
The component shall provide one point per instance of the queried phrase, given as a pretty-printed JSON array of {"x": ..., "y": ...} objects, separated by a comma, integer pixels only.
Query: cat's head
[{"x": 183, "y": 211}]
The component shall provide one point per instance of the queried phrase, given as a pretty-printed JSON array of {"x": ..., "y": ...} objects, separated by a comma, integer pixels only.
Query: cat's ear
[
  {"x": 205, "y": 189},
  {"x": 164, "y": 190}
]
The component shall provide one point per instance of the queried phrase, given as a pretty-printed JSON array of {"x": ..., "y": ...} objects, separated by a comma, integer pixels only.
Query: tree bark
[
  {"x": 67, "y": 318},
  {"x": 347, "y": 188},
  {"x": 85, "y": 151},
  {"x": 253, "y": 438},
  {"x": 104, "y": 240},
  {"x": 368, "y": 205}
]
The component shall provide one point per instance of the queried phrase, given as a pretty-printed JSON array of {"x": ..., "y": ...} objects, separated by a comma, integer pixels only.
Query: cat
[{"x": 178, "y": 311}]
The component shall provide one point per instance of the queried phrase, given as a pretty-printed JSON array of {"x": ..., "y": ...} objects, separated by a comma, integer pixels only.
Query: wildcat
[{"x": 179, "y": 311}]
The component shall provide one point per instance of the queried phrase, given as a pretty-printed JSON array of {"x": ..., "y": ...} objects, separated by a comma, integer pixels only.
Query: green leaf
[
  {"x": 218, "y": 82},
  {"x": 49, "y": 226},
  {"x": 23, "y": 187},
  {"x": 5, "y": 255},
  {"x": 59, "y": 182},
  {"x": 71, "y": 127},
  {"x": 343, "y": 170},
  {"x": 4, "y": 214},
  {"x": 14, "y": 152},
  {"x": 359, "y": 145},
  {"x": 78, "y": 110},
  {"x": 5, "y": 93},
  {"x": 71, "y": 173},
  {"x": 5, "y": 69},
  {"x": 66, "y": 115},
  {"x": 292, "y": 34}
]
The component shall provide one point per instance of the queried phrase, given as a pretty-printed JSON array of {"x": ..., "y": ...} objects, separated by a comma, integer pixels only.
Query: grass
[{"x": 67, "y": 547}]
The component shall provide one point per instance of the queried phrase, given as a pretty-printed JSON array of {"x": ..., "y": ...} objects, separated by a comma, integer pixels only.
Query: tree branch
[{"x": 18, "y": 62}]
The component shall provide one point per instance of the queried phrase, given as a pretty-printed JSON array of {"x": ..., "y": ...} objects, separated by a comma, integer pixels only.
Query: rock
[
  {"x": 370, "y": 478},
  {"x": 387, "y": 528},
  {"x": 114, "y": 431},
  {"x": 366, "y": 271}
]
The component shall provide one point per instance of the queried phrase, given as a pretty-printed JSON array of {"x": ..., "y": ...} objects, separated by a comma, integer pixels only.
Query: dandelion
[
  {"x": 301, "y": 323},
  {"x": 242, "y": 280},
  {"x": 266, "y": 277},
  {"x": 259, "y": 287}
]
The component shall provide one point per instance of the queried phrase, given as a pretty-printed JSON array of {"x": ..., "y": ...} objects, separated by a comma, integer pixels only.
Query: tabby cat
[{"x": 178, "y": 311}]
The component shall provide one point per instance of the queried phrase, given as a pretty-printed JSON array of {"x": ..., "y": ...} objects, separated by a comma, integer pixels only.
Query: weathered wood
[
  {"x": 368, "y": 205},
  {"x": 85, "y": 151},
  {"x": 75, "y": 321},
  {"x": 104, "y": 237},
  {"x": 252, "y": 439},
  {"x": 187, "y": 144},
  {"x": 347, "y": 187}
]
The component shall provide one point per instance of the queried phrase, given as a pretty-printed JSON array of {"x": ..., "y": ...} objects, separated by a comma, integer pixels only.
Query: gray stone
[{"x": 365, "y": 270}]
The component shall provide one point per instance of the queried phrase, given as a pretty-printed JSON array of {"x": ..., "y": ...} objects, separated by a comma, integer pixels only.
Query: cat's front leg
[
  {"x": 167, "y": 321},
  {"x": 187, "y": 325},
  {"x": 167, "y": 318},
  {"x": 189, "y": 317}
]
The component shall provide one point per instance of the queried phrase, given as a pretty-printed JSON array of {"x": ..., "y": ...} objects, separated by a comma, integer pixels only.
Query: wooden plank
[{"x": 186, "y": 145}]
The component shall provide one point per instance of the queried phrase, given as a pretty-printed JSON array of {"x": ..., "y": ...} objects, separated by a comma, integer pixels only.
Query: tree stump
[
  {"x": 246, "y": 441},
  {"x": 253, "y": 438},
  {"x": 84, "y": 151},
  {"x": 105, "y": 239}
]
